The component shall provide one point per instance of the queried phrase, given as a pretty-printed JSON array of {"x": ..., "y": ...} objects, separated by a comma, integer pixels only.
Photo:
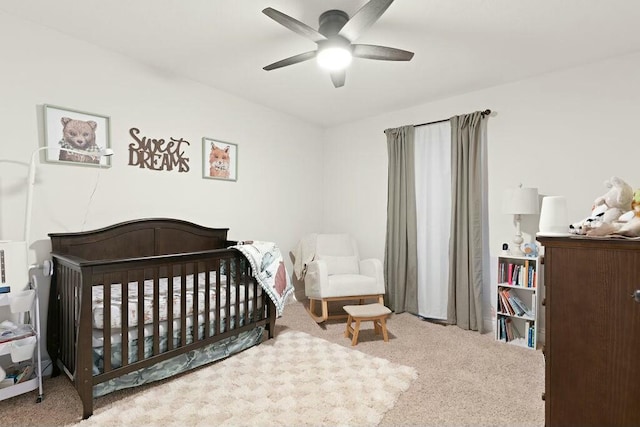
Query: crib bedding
[
  {"x": 116, "y": 300},
  {"x": 165, "y": 299},
  {"x": 116, "y": 335},
  {"x": 183, "y": 362},
  {"x": 132, "y": 355}
]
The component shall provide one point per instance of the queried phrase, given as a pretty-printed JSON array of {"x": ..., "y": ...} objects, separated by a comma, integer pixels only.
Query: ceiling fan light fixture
[
  {"x": 335, "y": 36},
  {"x": 334, "y": 58}
]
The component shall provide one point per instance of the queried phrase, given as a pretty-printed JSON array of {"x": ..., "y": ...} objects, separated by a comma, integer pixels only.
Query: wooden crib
[{"x": 129, "y": 298}]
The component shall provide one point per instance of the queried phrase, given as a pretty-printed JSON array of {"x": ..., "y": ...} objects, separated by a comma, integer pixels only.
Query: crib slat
[
  {"x": 169, "y": 276},
  {"x": 207, "y": 300},
  {"x": 156, "y": 310},
  {"x": 106, "y": 320},
  {"x": 227, "y": 308},
  {"x": 218, "y": 264},
  {"x": 124, "y": 318},
  {"x": 139, "y": 277},
  {"x": 237, "y": 305},
  {"x": 183, "y": 306},
  {"x": 195, "y": 331}
]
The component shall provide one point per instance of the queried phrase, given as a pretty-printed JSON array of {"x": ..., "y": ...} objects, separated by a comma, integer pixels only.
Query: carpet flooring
[
  {"x": 295, "y": 379},
  {"x": 464, "y": 378}
]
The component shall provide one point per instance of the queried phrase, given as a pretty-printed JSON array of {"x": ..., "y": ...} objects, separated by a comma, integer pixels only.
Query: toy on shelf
[{"x": 617, "y": 212}]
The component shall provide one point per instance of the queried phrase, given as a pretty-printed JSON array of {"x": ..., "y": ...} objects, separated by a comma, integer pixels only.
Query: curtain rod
[{"x": 484, "y": 113}]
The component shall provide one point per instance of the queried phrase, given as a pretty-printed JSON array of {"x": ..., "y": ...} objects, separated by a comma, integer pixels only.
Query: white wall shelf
[{"x": 20, "y": 357}]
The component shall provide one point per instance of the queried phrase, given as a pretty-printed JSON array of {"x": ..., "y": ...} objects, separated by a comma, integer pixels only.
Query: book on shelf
[
  {"x": 531, "y": 333},
  {"x": 523, "y": 307},
  {"x": 518, "y": 273},
  {"x": 513, "y": 308},
  {"x": 506, "y": 306},
  {"x": 532, "y": 277},
  {"x": 516, "y": 304},
  {"x": 509, "y": 303}
]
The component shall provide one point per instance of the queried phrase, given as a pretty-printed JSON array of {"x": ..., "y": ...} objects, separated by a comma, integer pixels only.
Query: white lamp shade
[
  {"x": 520, "y": 201},
  {"x": 554, "y": 220}
]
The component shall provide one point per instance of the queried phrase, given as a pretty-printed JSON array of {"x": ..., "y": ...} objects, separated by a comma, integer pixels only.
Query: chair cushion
[
  {"x": 340, "y": 264},
  {"x": 367, "y": 310},
  {"x": 345, "y": 285}
]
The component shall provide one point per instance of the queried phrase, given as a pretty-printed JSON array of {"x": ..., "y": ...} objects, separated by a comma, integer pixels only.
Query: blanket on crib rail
[{"x": 269, "y": 270}]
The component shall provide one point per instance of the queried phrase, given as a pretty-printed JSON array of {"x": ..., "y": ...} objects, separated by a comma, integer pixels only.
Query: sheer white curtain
[{"x": 433, "y": 212}]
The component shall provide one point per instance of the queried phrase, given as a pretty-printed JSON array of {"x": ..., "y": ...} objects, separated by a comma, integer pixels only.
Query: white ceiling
[{"x": 459, "y": 45}]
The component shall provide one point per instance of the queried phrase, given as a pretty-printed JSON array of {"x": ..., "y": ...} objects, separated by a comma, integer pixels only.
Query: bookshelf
[{"x": 516, "y": 300}]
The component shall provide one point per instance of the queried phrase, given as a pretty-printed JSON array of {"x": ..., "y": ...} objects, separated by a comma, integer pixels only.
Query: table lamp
[{"x": 517, "y": 202}]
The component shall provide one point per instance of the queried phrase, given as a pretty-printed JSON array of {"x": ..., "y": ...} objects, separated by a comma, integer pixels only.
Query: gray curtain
[
  {"x": 400, "y": 259},
  {"x": 465, "y": 247}
]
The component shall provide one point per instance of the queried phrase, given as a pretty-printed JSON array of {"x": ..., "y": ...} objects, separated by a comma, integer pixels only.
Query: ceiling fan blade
[
  {"x": 291, "y": 60},
  {"x": 364, "y": 18},
  {"x": 369, "y": 51},
  {"x": 294, "y": 25},
  {"x": 338, "y": 78}
]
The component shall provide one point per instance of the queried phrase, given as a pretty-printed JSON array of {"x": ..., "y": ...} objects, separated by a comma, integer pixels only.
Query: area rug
[{"x": 293, "y": 380}]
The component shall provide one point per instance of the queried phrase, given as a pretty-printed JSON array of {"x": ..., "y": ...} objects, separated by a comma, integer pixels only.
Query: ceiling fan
[{"x": 335, "y": 36}]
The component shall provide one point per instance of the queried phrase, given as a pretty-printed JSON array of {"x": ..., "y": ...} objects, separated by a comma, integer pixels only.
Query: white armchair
[{"x": 338, "y": 274}]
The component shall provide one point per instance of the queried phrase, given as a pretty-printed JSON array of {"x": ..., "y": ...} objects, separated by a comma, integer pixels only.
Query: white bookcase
[{"x": 516, "y": 300}]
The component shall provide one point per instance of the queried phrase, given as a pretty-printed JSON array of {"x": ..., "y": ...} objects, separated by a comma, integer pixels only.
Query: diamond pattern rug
[{"x": 293, "y": 380}]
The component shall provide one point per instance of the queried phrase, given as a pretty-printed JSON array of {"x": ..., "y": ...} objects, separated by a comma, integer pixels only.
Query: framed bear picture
[
  {"x": 219, "y": 159},
  {"x": 76, "y": 137}
]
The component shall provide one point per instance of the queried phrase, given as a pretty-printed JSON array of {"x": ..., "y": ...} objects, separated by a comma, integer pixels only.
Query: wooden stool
[{"x": 361, "y": 313}]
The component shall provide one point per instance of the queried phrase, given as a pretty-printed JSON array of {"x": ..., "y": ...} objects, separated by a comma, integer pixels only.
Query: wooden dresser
[{"x": 592, "y": 331}]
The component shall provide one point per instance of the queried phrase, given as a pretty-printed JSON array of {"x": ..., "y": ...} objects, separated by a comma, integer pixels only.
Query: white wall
[
  {"x": 270, "y": 201},
  {"x": 551, "y": 132},
  {"x": 563, "y": 132},
  {"x": 45, "y": 67}
]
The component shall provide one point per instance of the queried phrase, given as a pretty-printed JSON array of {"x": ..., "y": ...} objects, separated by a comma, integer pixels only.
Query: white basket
[
  {"x": 23, "y": 349},
  {"x": 21, "y": 301}
]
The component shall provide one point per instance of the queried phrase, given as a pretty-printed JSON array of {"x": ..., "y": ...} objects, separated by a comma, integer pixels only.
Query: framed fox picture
[{"x": 219, "y": 159}]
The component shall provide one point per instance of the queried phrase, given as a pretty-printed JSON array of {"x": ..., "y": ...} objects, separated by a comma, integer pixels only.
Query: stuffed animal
[
  {"x": 628, "y": 224},
  {"x": 617, "y": 199},
  {"x": 607, "y": 209},
  {"x": 592, "y": 221}
]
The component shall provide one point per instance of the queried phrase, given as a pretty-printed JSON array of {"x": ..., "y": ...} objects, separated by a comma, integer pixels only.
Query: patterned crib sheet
[
  {"x": 165, "y": 300},
  {"x": 98, "y": 335}
]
